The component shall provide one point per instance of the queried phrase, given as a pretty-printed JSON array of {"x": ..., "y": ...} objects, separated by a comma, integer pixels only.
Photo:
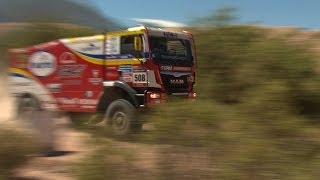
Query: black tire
[
  {"x": 121, "y": 115},
  {"x": 27, "y": 107}
]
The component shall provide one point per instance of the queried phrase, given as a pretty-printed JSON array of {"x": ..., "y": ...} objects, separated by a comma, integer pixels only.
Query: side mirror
[{"x": 137, "y": 43}]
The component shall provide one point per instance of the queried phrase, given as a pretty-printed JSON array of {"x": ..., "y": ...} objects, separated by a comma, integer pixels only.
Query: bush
[
  {"x": 240, "y": 142},
  {"x": 237, "y": 60}
]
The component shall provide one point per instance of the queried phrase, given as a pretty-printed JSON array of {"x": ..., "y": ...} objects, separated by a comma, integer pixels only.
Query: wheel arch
[
  {"x": 28, "y": 95},
  {"x": 116, "y": 90}
]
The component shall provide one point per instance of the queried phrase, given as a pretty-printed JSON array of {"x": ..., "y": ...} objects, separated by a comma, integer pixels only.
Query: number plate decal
[{"x": 140, "y": 77}]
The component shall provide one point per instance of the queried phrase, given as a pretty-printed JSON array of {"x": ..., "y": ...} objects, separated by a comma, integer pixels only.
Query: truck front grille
[{"x": 175, "y": 84}]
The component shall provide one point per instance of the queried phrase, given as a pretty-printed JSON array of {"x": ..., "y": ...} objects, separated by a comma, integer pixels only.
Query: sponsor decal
[
  {"x": 113, "y": 45},
  {"x": 111, "y": 68},
  {"x": 179, "y": 68},
  {"x": 95, "y": 77},
  {"x": 119, "y": 56},
  {"x": 126, "y": 73},
  {"x": 88, "y": 101},
  {"x": 174, "y": 68},
  {"x": 71, "y": 82},
  {"x": 88, "y": 107},
  {"x": 42, "y": 63},
  {"x": 173, "y": 57},
  {"x": 126, "y": 70},
  {"x": 54, "y": 88},
  {"x": 88, "y": 94},
  {"x": 139, "y": 70},
  {"x": 125, "y": 66},
  {"x": 90, "y": 47},
  {"x": 75, "y": 70},
  {"x": 127, "y": 78},
  {"x": 170, "y": 35},
  {"x": 67, "y": 58},
  {"x": 95, "y": 81},
  {"x": 95, "y": 73},
  {"x": 77, "y": 101},
  {"x": 166, "y": 68}
]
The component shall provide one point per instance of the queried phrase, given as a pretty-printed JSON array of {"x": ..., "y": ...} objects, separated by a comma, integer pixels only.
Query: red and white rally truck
[{"x": 111, "y": 74}]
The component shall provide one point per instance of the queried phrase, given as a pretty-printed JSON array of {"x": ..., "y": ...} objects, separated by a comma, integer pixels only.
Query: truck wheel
[
  {"x": 121, "y": 115},
  {"x": 26, "y": 108}
]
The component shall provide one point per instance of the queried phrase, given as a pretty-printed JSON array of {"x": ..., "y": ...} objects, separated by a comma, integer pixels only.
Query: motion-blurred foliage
[
  {"x": 256, "y": 113},
  {"x": 233, "y": 61},
  {"x": 255, "y": 116}
]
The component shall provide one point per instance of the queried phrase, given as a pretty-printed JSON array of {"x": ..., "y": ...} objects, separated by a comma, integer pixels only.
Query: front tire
[{"x": 121, "y": 114}]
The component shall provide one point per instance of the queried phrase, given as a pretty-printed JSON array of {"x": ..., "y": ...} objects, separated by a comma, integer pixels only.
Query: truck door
[{"x": 122, "y": 58}]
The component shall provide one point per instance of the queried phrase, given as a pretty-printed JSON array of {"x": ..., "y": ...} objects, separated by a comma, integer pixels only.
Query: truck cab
[{"x": 163, "y": 65}]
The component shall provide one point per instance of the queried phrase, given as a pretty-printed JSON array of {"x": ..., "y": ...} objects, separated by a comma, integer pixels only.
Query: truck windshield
[{"x": 171, "y": 51}]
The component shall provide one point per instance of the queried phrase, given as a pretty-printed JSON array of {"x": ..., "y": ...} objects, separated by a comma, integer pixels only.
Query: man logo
[{"x": 176, "y": 81}]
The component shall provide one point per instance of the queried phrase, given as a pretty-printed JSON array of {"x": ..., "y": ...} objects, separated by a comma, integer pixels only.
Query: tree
[{"x": 220, "y": 17}]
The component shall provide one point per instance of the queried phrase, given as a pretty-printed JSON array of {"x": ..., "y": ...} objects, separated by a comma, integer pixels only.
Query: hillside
[{"x": 57, "y": 11}]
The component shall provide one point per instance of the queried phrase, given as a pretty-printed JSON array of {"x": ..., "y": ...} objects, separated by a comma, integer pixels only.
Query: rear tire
[
  {"x": 27, "y": 107},
  {"x": 121, "y": 114}
]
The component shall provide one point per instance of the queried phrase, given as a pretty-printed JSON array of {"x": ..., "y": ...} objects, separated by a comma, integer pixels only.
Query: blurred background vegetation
[{"x": 256, "y": 115}]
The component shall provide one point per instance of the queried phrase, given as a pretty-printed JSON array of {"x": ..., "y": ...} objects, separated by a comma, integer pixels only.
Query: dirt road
[{"x": 72, "y": 142}]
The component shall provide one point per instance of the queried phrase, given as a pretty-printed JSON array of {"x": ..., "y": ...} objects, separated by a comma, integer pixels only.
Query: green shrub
[
  {"x": 236, "y": 60},
  {"x": 241, "y": 142}
]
